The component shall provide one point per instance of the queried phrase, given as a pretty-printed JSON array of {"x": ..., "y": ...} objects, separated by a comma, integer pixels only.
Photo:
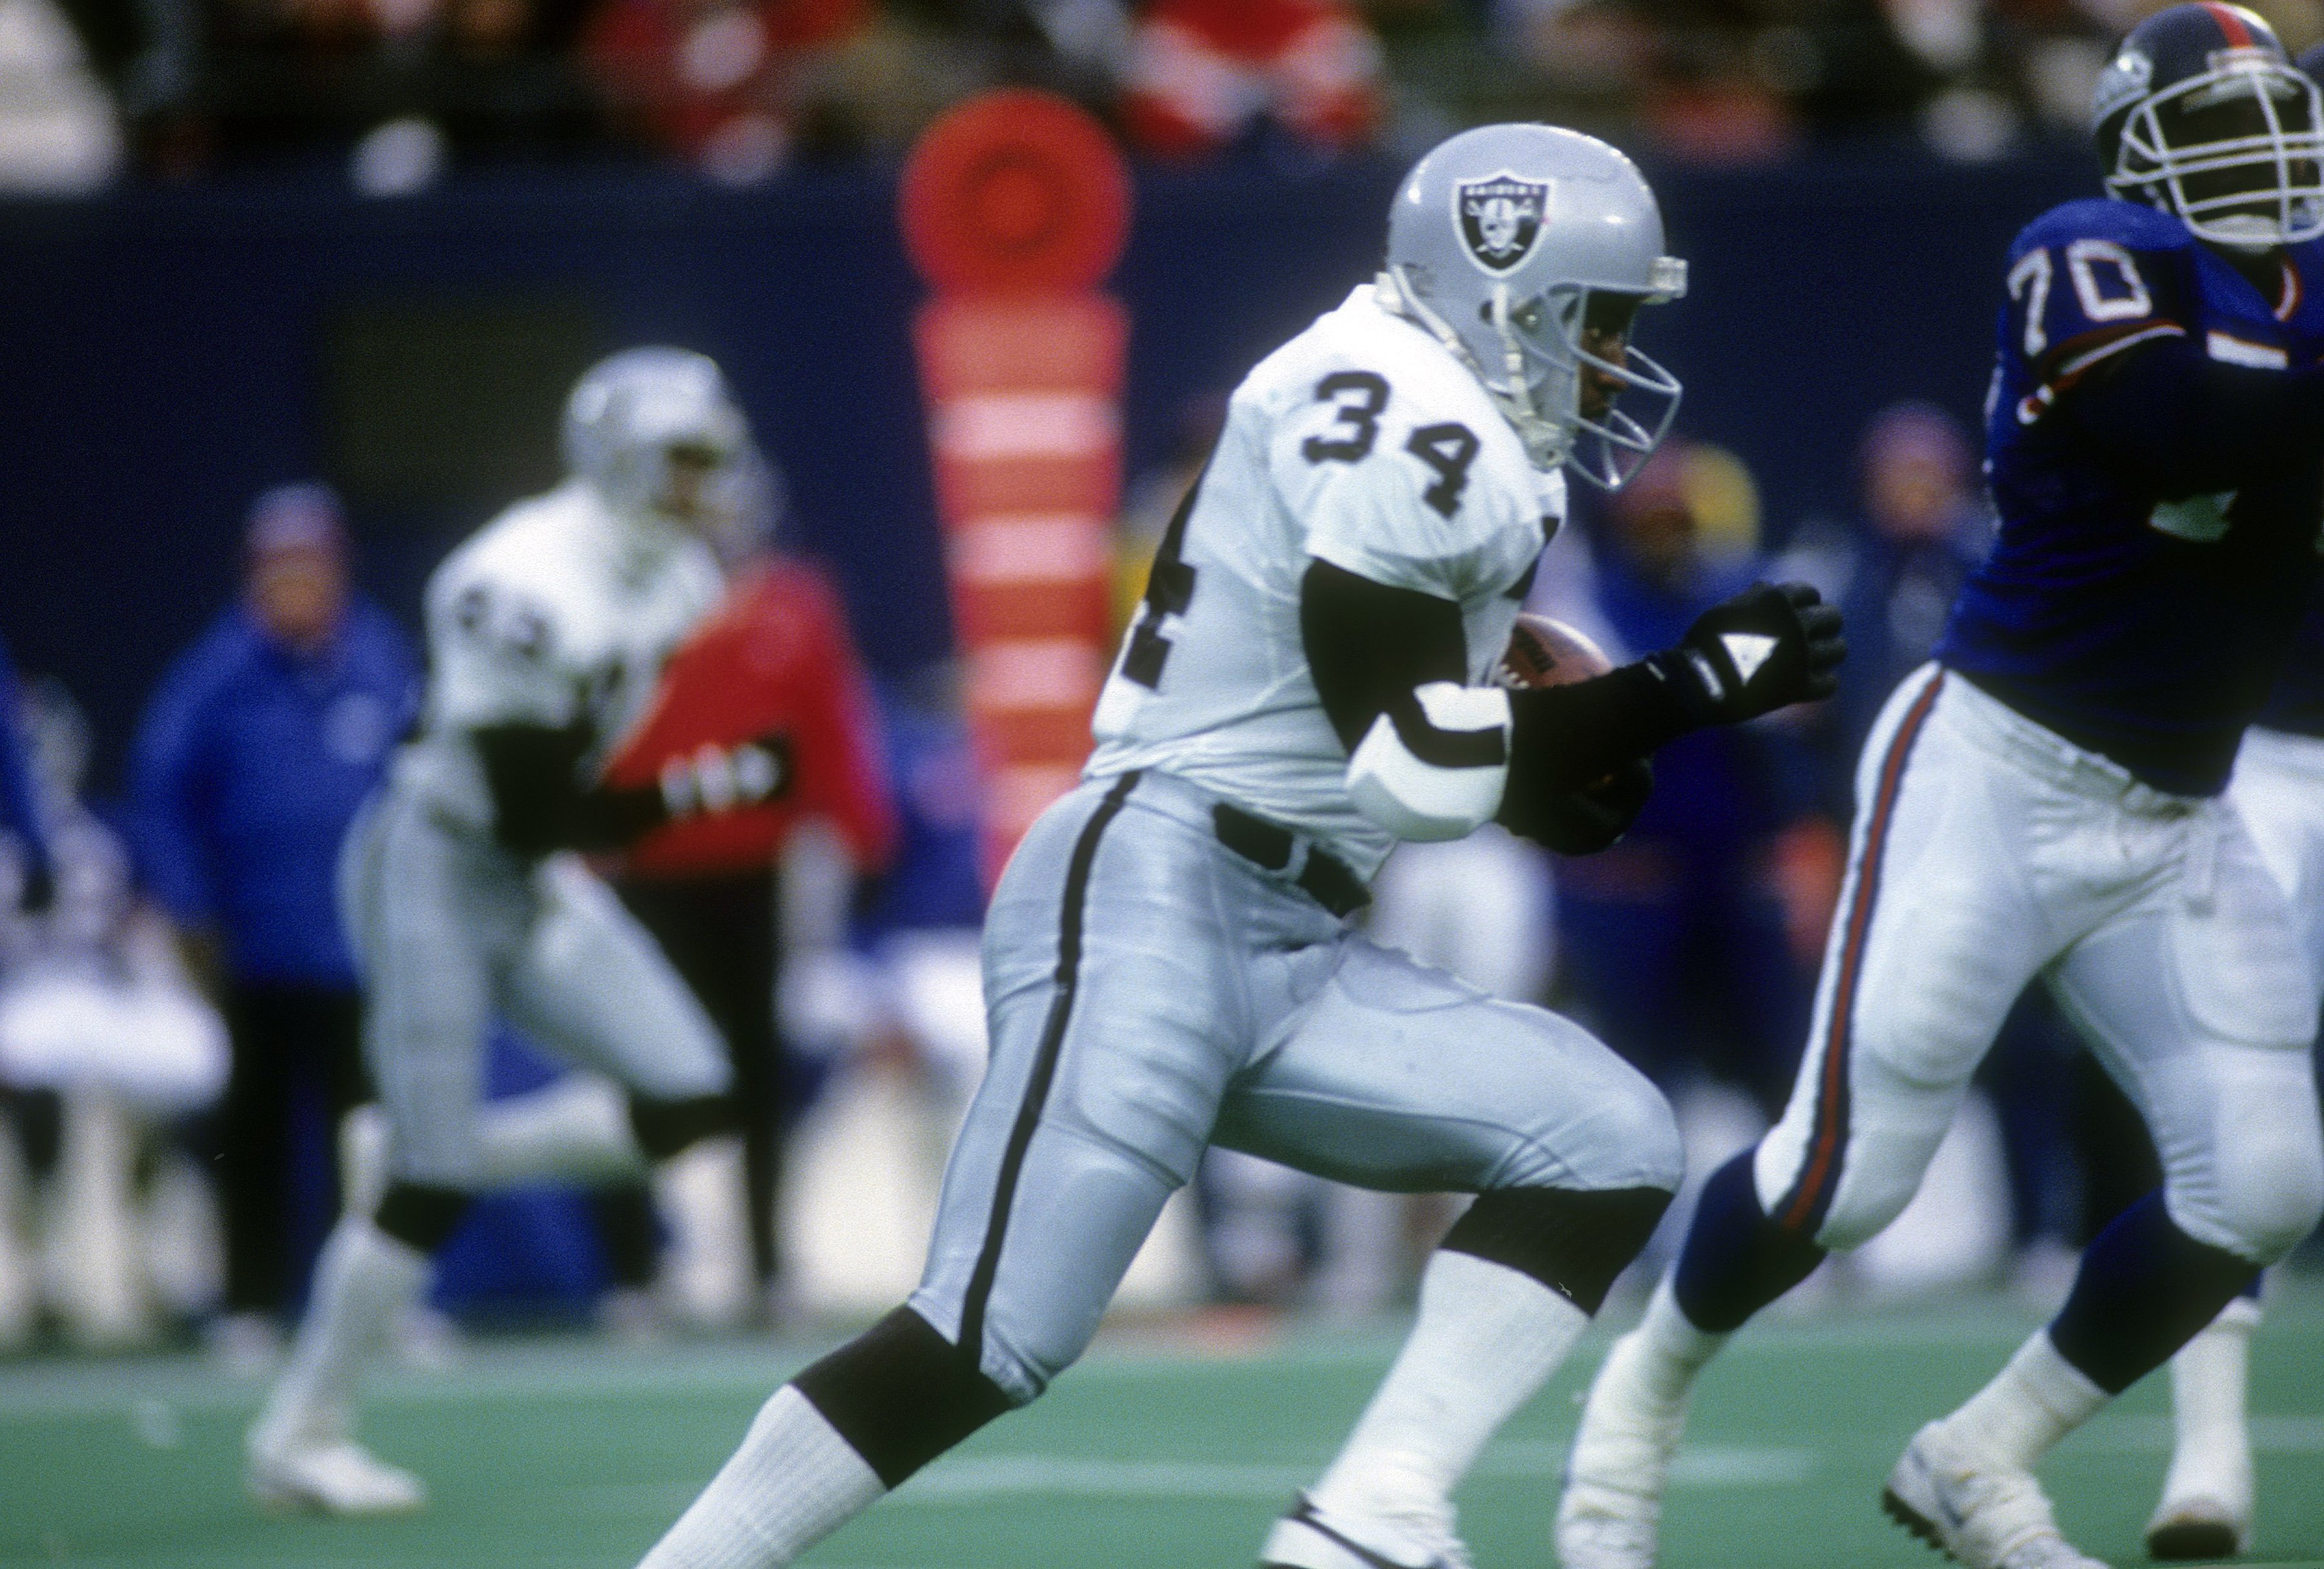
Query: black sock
[
  {"x": 1570, "y": 1241},
  {"x": 418, "y": 1214},
  {"x": 1736, "y": 1260},
  {"x": 2145, "y": 1288},
  {"x": 902, "y": 1394}
]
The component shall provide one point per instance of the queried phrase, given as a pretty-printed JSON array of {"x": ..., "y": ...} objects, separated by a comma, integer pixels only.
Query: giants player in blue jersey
[
  {"x": 2206, "y": 1509},
  {"x": 2044, "y": 799}
]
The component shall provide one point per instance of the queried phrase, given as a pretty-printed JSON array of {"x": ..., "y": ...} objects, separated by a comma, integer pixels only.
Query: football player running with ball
[
  {"x": 1168, "y": 960},
  {"x": 2045, "y": 801},
  {"x": 547, "y": 633}
]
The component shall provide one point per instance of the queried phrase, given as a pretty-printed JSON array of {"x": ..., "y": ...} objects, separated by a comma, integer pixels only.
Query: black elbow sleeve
[
  {"x": 1369, "y": 646},
  {"x": 533, "y": 773},
  {"x": 1572, "y": 737}
]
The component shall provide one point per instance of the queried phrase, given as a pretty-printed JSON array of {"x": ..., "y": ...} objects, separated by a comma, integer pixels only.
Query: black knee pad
[
  {"x": 420, "y": 1215},
  {"x": 902, "y": 1394},
  {"x": 1574, "y": 1243},
  {"x": 665, "y": 1127}
]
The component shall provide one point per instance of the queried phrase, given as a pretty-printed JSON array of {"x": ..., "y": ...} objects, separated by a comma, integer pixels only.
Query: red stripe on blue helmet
[{"x": 2232, "y": 25}]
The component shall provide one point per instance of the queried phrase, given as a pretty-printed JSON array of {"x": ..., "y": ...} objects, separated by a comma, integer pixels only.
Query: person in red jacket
[
  {"x": 718, "y": 83},
  {"x": 775, "y": 661}
]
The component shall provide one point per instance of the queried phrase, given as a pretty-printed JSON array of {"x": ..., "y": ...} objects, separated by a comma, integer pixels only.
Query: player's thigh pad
[
  {"x": 2199, "y": 1002},
  {"x": 1479, "y": 906},
  {"x": 1937, "y": 932},
  {"x": 1119, "y": 1002},
  {"x": 595, "y": 987},
  {"x": 2279, "y": 792},
  {"x": 435, "y": 917},
  {"x": 1403, "y": 1077}
]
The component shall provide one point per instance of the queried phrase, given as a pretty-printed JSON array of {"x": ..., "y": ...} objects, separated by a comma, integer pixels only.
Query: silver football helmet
[
  {"x": 1525, "y": 249},
  {"x": 655, "y": 433}
]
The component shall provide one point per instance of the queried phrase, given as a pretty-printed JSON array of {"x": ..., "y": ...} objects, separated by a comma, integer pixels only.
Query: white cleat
[
  {"x": 1305, "y": 1538},
  {"x": 334, "y": 1476},
  {"x": 2206, "y": 1512},
  {"x": 1982, "y": 1512},
  {"x": 2198, "y": 1529},
  {"x": 1610, "y": 1515}
]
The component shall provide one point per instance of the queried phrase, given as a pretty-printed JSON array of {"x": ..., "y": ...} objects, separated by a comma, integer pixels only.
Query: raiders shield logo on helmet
[{"x": 1500, "y": 218}]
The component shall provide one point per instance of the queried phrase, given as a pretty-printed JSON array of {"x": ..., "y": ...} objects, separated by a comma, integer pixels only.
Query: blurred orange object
[
  {"x": 1202, "y": 71},
  {"x": 1015, "y": 192},
  {"x": 775, "y": 659},
  {"x": 1806, "y": 863},
  {"x": 1015, "y": 206}
]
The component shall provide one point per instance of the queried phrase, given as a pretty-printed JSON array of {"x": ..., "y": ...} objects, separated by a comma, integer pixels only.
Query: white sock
[
  {"x": 2208, "y": 1381},
  {"x": 2031, "y": 1404},
  {"x": 576, "y": 1129},
  {"x": 793, "y": 1482},
  {"x": 1486, "y": 1337},
  {"x": 364, "y": 1282},
  {"x": 1668, "y": 1349}
]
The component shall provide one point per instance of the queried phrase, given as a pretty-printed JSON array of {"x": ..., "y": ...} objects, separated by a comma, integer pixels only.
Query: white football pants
[
  {"x": 2279, "y": 792},
  {"x": 1988, "y": 851},
  {"x": 451, "y": 930}
]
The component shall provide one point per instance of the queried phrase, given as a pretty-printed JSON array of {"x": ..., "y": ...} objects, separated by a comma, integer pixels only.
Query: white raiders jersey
[
  {"x": 557, "y": 612},
  {"x": 1362, "y": 442}
]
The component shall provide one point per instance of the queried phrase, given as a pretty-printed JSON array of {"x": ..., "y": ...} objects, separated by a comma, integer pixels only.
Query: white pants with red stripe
[{"x": 1988, "y": 851}]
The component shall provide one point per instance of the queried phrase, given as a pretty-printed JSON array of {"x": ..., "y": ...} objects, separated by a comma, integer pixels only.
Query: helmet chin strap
[{"x": 1546, "y": 443}]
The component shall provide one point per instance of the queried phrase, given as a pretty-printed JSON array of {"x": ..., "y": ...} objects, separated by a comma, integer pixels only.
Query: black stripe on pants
[{"x": 1045, "y": 1064}]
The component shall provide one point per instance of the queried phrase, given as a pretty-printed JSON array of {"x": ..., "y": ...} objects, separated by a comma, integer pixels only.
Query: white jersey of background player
[
  {"x": 1168, "y": 958},
  {"x": 465, "y": 901}
]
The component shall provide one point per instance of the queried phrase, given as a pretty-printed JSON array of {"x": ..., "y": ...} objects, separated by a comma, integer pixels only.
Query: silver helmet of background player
[
  {"x": 2201, "y": 113},
  {"x": 1519, "y": 246},
  {"x": 654, "y": 432}
]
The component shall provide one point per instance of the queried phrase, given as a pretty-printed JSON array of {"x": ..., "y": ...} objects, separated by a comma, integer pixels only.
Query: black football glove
[
  {"x": 1583, "y": 822},
  {"x": 1771, "y": 645}
]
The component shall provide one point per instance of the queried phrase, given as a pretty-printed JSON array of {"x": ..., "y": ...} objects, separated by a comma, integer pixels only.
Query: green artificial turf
[{"x": 570, "y": 1454}]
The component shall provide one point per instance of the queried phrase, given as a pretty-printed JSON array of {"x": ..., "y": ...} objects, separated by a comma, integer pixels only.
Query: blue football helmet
[{"x": 2201, "y": 113}]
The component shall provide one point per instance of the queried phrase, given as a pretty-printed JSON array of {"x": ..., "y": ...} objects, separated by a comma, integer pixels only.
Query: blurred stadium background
[{"x": 371, "y": 242}]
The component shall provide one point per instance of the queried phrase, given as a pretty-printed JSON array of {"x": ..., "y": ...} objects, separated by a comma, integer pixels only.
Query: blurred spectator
[
  {"x": 723, "y": 84},
  {"x": 104, "y": 1043},
  {"x": 1203, "y": 73},
  {"x": 19, "y": 802},
  {"x": 58, "y": 133},
  {"x": 404, "y": 87},
  {"x": 253, "y": 757},
  {"x": 1924, "y": 525},
  {"x": 1678, "y": 940},
  {"x": 777, "y": 660},
  {"x": 1725, "y": 81}
]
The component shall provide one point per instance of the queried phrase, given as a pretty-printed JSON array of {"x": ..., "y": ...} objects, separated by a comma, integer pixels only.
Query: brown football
[{"x": 1542, "y": 652}]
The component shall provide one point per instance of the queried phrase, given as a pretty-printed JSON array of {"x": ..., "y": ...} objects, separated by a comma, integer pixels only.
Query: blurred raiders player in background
[
  {"x": 1168, "y": 959},
  {"x": 2045, "y": 800},
  {"x": 546, "y": 632}
]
